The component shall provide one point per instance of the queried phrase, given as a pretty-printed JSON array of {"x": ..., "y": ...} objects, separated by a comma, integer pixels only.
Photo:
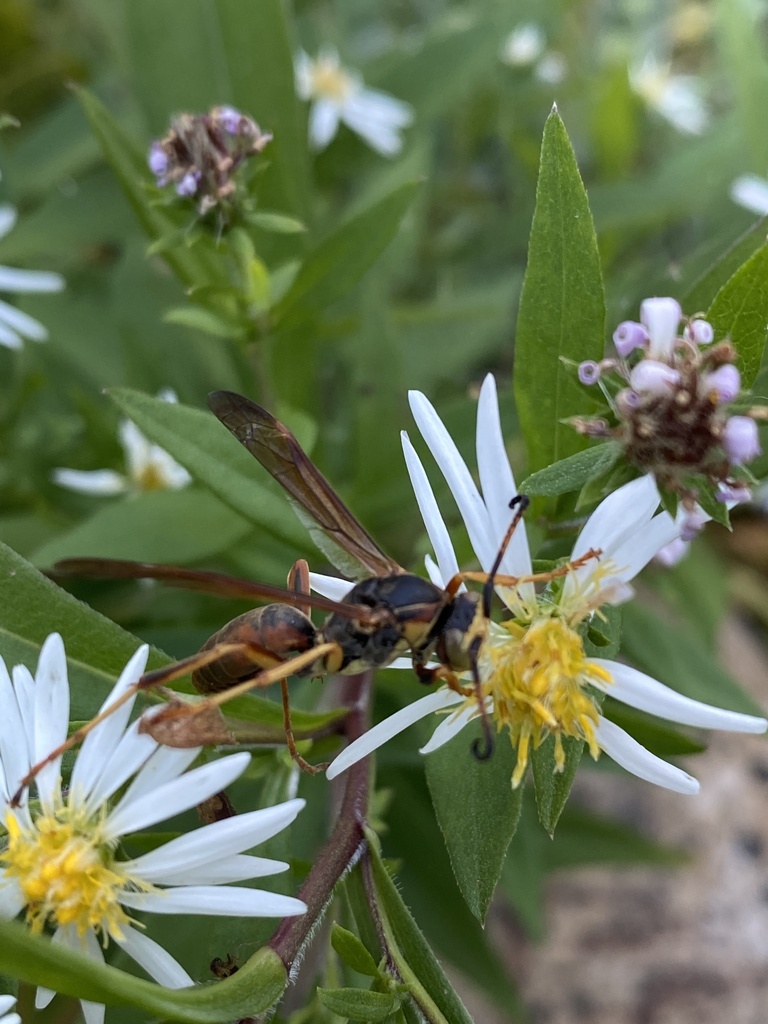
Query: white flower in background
[
  {"x": 676, "y": 97},
  {"x": 60, "y": 862},
  {"x": 552, "y": 68},
  {"x": 524, "y": 45},
  {"x": 338, "y": 95},
  {"x": 7, "y": 1003},
  {"x": 536, "y": 677},
  {"x": 149, "y": 467},
  {"x": 15, "y": 325},
  {"x": 751, "y": 192}
]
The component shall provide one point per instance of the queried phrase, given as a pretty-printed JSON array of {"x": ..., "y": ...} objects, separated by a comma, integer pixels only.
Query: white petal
[
  {"x": 165, "y": 764},
  {"x": 11, "y": 898},
  {"x": 6, "y": 1002},
  {"x": 381, "y": 137},
  {"x": 458, "y": 477},
  {"x": 132, "y": 752},
  {"x": 176, "y": 796},
  {"x": 223, "y": 900},
  {"x": 636, "y": 552},
  {"x": 660, "y": 316},
  {"x": 323, "y": 123},
  {"x": 238, "y": 868},
  {"x": 627, "y": 752},
  {"x": 155, "y": 960},
  {"x": 8, "y": 338},
  {"x": 751, "y": 192},
  {"x": 14, "y": 744},
  {"x": 435, "y": 526},
  {"x": 24, "y": 687},
  {"x": 8, "y": 217},
  {"x": 23, "y": 323},
  {"x": 99, "y": 744},
  {"x": 648, "y": 694},
  {"x": 135, "y": 446},
  {"x": 213, "y": 842},
  {"x": 329, "y": 586},
  {"x": 450, "y": 726},
  {"x": 91, "y": 481},
  {"x": 433, "y": 571},
  {"x": 12, "y": 280},
  {"x": 379, "y": 734},
  {"x": 383, "y": 108},
  {"x": 51, "y": 715},
  {"x": 88, "y": 945},
  {"x": 498, "y": 485}
]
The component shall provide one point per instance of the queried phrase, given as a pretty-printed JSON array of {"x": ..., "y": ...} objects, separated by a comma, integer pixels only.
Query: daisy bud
[
  {"x": 589, "y": 372},
  {"x": 724, "y": 383},
  {"x": 157, "y": 160},
  {"x": 188, "y": 184},
  {"x": 734, "y": 493},
  {"x": 692, "y": 525},
  {"x": 701, "y": 332},
  {"x": 629, "y": 335},
  {"x": 660, "y": 318},
  {"x": 652, "y": 376},
  {"x": 672, "y": 553},
  {"x": 740, "y": 439}
]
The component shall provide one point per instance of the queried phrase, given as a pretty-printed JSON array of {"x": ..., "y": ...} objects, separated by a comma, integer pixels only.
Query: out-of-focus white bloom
[
  {"x": 15, "y": 325},
  {"x": 524, "y": 45},
  {"x": 751, "y": 192},
  {"x": 338, "y": 95},
  {"x": 536, "y": 678},
  {"x": 6, "y": 1004},
  {"x": 676, "y": 97},
  {"x": 60, "y": 859},
  {"x": 552, "y": 68},
  {"x": 149, "y": 467}
]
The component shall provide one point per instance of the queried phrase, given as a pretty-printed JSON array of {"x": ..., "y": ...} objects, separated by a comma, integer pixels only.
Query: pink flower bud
[
  {"x": 701, "y": 332},
  {"x": 589, "y": 372},
  {"x": 740, "y": 439},
  {"x": 725, "y": 382},
  {"x": 673, "y": 552},
  {"x": 660, "y": 318},
  {"x": 628, "y": 336},
  {"x": 652, "y": 376}
]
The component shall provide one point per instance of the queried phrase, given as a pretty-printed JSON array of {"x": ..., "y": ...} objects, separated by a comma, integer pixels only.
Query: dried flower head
[{"x": 201, "y": 153}]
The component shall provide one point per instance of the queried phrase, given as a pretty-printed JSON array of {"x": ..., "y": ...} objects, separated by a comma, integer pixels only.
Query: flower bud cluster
[
  {"x": 670, "y": 390},
  {"x": 201, "y": 153}
]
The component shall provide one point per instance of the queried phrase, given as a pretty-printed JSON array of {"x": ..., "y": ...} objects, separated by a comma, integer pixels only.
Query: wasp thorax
[
  {"x": 670, "y": 392},
  {"x": 201, "y": 153}
]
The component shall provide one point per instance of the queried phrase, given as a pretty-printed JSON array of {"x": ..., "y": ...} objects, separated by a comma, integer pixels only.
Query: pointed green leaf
[
  {"x": 357, "y": 1004},
  {"x": 572, "y": 473},
  {"x": 552, "y": 787},
  {"x": 562, "y": 311},
  {"x": 477, "y": 810},
  {"x": 277, "y": 223},
  {"x": 333, "y": 268},
  {"x": 353, "y": 952},
  {"x": 740, "y": 312},
  {"x": 700, "y": 294},
  {"x": 203, "y": 446},
  {"x": 201, "y": 320}
]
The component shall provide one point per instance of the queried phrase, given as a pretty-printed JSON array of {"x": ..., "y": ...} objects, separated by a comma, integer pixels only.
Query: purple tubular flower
[
  {"x": 692, "y": 525},
  {"x": 589, "y": 372},
  {"x": 701, "y": 332},
  {"x": 628, "y": 336},
  {"x": 724, "y": 382},
  {"x": 627, "y": 401},
  {"x": 652, "y": 376},
  {"x": 229, "y": 118},
  {"x": 660, "y": 317},
  {"x": 673, "y": 553},
  {"x": 157, "y": 160},
  {"x": 188, "y": 184},
  {"x": 740, "y": 440},
  {"x": 734, "y": 494}
]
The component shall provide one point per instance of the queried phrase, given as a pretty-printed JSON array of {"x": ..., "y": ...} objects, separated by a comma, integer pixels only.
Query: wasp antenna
[{"x": 520, "y": 502}]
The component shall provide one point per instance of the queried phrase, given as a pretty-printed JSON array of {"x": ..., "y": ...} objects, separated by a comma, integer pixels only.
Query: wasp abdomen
[{"x": 278, "y": 629}]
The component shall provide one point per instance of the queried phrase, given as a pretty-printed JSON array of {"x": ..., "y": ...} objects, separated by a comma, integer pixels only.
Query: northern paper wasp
[{"x": 390, "y": 612}]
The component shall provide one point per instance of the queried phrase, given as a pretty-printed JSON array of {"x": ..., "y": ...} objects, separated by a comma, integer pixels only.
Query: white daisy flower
[
  {"x": 536, "y": 677},
  {"x": 60, "y": 861},
  {"x": 7, "y": 1003},
  {"x": 15, "y": 325},
  {"x": 338, "y": 95},
  {"x": 751, "y": 192},
  {"x": 149, "y": 467},
  {"x": 676, "y": 97}
]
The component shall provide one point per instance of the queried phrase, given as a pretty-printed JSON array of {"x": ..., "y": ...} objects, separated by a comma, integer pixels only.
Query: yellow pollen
[
  {"x": 330, "y": 82},
  {"x": 152, "y": 478},
  {"x": 66, "y": 872},
  {"x": 536, "y": 679}
]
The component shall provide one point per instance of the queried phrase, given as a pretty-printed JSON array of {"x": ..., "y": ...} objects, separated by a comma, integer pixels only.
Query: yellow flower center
[
  {"x": 330, "y": 82},
  {"x": 536, "y": 676},
  {"x": 67, "y": 872},
  {"x": 152, "y": 478}
]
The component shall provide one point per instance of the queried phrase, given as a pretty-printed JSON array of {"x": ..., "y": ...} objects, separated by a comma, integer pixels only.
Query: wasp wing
[
  {"x": 219, "y": 583},
  {"x": 330, "y": 523}
]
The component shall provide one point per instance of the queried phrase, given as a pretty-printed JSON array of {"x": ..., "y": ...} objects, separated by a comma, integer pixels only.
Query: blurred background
[{"x": 647, "y": 909}]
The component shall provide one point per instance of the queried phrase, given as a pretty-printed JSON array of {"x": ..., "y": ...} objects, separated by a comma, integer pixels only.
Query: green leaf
[
  {"x": 277, "y": 223},
  {"x": 38, "y": 961},
  {"x": 477, "y": 810},
  {"x": 203, "y": 446},
  {"x": 176, "y": 527},
  {"x": 700, "y": 294},
  {"x": 417, "y": 965},
  {"x": 553, "y": 787},
  {"x": 31, "y": 607},
  {"x": 740, "y": 311},
  {"x": 351, "y": 950},
  {"x": 706, "y": 496},
  {"x": 562, "y": 311},
  {"x": 572, "y": 473},
  {"x": 332, "y": 269},
  {"x": 201, "y": 320},
  {"x": 357, "y": 1004}
]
